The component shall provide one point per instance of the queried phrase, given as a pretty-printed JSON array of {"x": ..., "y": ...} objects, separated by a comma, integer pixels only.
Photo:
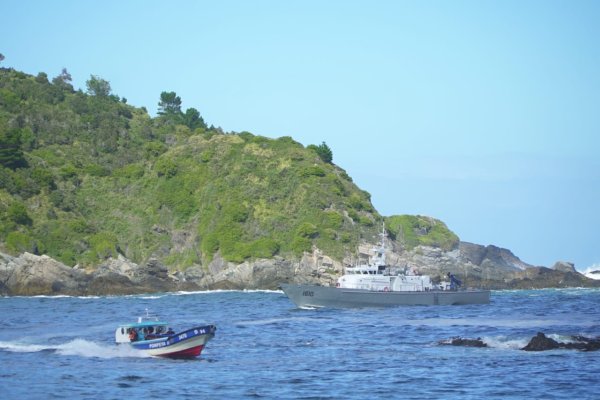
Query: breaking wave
[{"x": 593, "y": 272}]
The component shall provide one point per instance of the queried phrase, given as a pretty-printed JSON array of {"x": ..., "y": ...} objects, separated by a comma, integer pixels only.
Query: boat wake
[{"x": 76, "y": 347}]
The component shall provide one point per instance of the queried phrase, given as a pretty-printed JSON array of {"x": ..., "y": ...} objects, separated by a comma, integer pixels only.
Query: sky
[{"x": 483, "y": 114}]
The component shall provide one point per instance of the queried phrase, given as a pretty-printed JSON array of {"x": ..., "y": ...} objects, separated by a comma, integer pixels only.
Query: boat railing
[{"x": 147, "y": 317}]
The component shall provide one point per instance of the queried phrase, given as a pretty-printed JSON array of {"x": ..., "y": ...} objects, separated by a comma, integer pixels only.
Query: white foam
[
  {"x": 270, "y": 321},
  {"x": 185, "y": 293},
  {"x": 502, "y": 342},
  {"x": 593, "y": 272},
  {"x": 22, "y": 348},
  {"x": 85, "y": 348},
  {"x": 76, "y": 347}
]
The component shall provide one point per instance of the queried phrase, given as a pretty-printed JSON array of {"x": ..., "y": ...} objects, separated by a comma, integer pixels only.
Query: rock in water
[
  {"x": 458, "y": 341},
  {"x": 541, "y": 342}
]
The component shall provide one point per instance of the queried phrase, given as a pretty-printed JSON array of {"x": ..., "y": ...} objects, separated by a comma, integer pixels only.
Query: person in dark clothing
[{"x": 454, "y": 282}]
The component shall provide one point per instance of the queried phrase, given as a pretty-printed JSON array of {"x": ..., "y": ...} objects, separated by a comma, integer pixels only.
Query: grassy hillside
[{"x": 85, "y": 176}]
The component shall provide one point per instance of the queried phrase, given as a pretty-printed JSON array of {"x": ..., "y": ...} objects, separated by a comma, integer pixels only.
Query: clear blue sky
[{"x": 484, "y": 114}]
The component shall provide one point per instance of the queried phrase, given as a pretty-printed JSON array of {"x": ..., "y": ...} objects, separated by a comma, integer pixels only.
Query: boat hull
[
  {"x": 186, "y": 344},
  {"x": 311, "y": 296}
]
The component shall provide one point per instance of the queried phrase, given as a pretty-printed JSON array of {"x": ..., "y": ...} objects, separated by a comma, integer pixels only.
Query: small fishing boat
[
  {"x": 156, "y": 338},
  {"x": 376, "y": 284}
]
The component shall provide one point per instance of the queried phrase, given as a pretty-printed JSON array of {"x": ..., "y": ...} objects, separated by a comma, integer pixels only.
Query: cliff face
[
  {"x": 477, "y": 266},
  {"x": 491, "y": 255}
]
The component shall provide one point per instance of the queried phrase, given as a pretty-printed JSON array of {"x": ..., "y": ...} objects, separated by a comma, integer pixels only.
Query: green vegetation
[
  {"x": 85, "y": 176},
  {"x": 415, "y": 230},
  {"x": 323, "y": 151}
]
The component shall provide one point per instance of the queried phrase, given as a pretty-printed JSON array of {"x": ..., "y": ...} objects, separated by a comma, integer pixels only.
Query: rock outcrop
[
  {"x": 29, "y": 275},
  {"x": 541, "y": 342},
  {"x": 477, "y": 266},
  {"x": 492, "y": 256},
  {"x": 564, "y": 266}
]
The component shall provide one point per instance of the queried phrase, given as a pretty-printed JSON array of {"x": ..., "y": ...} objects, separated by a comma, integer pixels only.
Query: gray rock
[
  {"x": 31, "y": 275},
  {"x": 477, "y": 266},
  {"x": 564, "y": 266}
]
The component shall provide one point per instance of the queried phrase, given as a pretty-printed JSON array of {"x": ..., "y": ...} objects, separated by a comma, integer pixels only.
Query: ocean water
[{"x": 63, "y": 347}]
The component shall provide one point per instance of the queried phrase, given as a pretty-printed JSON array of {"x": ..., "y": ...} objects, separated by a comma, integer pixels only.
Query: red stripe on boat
[{"x": 187, "y": 353}]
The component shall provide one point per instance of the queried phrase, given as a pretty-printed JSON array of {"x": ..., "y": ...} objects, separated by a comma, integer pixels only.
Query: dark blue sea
[{"x": 63, "y": 347}]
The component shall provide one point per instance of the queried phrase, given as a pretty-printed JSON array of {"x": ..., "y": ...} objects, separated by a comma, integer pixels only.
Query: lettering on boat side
[
  {"x": 157, "y": 345},
  {"x": 183, "y": 336},
  {"x": 308, "y": 293}
]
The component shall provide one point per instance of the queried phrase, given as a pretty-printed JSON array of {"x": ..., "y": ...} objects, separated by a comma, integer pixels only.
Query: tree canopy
[
  {"x": 63, "y": 80},
  {"x": 97, "y": 86},
  {"x": 323, "y": 151},
  {"x": 169, "y": 104},
  {"x": 11, "y": 154}
]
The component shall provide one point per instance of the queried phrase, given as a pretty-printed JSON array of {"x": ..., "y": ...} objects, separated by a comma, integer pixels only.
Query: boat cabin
[{"x": 147, "y": 328}]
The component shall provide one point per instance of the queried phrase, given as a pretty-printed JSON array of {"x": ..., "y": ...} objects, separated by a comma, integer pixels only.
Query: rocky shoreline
[{"x": 478, "y": 266}]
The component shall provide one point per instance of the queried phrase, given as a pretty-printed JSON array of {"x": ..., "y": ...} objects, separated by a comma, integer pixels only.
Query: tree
[
  {"x": 323, "y": 151},
  {"x": 11, "y": 155},
  {"x": 17, "y": 213},
  {"x": 63, "y": 80},
  {"x": 169, "y": 104},
  {"x": 192, "y": 119},
  {"x": 97, "y": 86},
  {"x": 42, "y": 78},
  {"x": 1, "y": 57}
]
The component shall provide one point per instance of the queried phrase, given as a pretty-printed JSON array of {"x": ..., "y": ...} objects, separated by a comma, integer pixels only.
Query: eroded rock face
[
  {"x": 477, "y": 266},
  {"x": 263, "y": 273},
  {"x": 491, "y": 255},
  {"x": 31, "y": 275},
  {"x": 564, "y": 266}
]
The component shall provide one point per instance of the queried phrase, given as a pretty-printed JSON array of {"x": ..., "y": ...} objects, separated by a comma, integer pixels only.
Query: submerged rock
[{"x": 465, "y": 342}]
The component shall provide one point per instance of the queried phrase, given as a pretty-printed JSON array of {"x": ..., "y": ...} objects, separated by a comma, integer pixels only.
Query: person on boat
[
  {"x": 132, "y": 335},
  {"x": 170, "y": 331},
  {"x": 151, "y": 334},
  {"x": 141, "y": 335},
  {"x": 454, "y": 282}
]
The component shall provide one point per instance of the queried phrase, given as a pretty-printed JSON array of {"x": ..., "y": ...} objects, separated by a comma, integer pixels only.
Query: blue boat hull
[{"x": 185, "y": 344}]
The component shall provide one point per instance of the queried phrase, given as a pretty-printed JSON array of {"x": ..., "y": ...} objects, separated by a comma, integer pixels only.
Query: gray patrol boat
[{"x": 377, "y": 285}]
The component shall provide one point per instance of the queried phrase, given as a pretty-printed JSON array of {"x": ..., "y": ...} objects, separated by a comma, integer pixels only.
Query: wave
[
  {"x": 179, "y": 293},
  {"x": 505, "y": 343},
  {"x": 155, "y": 296},
  {"x": 592, "y": 272},
  {"x": 56, "y": 296},
  {"x": 270, "y": 321},
  {"x": 76, "y": 347},
  {"x": 152, "y": 296}
]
